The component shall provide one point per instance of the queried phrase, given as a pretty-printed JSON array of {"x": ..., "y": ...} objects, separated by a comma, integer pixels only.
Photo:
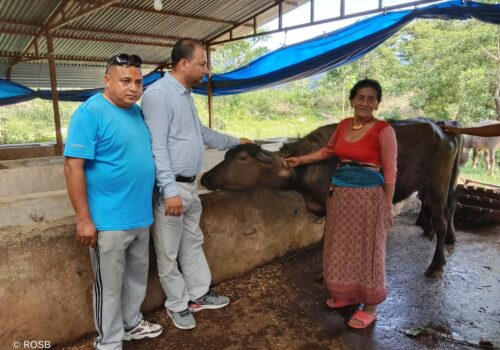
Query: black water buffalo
[{"x": 428, "y": 162}]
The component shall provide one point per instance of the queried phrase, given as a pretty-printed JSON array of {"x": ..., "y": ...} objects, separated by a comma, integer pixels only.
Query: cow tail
[{"x": 452, "y": 189}]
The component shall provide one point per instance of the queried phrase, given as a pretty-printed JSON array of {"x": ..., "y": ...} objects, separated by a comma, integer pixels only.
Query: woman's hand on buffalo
[{"x": 293, "y": 161}]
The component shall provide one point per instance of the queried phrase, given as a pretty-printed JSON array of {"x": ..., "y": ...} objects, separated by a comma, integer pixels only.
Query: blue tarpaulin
[
  {"x": 14, "y": 93},
  {"x": 11, "y": 92},
  {"x": 300, "y": 60},
  {"x": 339, "y": 47}
]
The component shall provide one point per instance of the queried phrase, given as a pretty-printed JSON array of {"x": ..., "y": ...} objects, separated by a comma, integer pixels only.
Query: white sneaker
[{"x": 143, "y": 330}]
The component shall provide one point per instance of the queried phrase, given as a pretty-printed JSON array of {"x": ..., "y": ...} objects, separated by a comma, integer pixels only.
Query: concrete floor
[{"x": 282, "y": 305}]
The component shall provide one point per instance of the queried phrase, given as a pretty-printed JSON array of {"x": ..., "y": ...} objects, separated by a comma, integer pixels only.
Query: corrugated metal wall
[{"x": 36, "y": 76}]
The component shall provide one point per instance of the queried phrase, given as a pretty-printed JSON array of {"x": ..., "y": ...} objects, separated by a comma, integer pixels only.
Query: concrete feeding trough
[{"x": 46, "y": 277}]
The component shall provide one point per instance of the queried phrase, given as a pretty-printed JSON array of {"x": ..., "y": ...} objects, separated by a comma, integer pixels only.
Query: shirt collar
[{"x": 178, "y": 86}]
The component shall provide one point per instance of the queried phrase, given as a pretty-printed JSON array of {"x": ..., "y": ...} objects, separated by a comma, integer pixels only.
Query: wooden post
[
  {"x": 9, "y": 72},
  {"x": 55, "y": 94},
  {"x": 211, "y": 120}
]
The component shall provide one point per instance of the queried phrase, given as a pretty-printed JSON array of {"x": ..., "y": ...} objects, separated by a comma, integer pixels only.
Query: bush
[{"x": 32, "y": 121}]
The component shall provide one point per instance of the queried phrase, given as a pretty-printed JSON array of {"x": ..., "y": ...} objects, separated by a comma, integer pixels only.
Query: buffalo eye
[{"x": 242, "y": 157}]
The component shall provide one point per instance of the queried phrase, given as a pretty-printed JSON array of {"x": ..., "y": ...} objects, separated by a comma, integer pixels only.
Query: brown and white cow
[{"x": 477, "y": 143}]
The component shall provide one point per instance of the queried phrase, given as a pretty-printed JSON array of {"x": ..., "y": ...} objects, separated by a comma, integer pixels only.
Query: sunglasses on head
[{"x": 124, "y": 59}]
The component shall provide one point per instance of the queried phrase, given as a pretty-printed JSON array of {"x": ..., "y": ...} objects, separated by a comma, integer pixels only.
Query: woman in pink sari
[{"x": 359, "y": 206}]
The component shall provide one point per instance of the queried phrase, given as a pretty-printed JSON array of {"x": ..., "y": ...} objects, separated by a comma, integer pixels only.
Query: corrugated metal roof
[
  {"x": 87, "y": 37},
  {"x": 27, "y": 11},
  {"x": 130, "y": 26}
]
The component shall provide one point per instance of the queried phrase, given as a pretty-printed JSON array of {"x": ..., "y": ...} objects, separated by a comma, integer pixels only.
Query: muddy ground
[{"x": 282, "y": 305}]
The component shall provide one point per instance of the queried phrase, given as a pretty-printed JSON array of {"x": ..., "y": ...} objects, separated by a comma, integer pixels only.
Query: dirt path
[{"x": 282, "y": 305}]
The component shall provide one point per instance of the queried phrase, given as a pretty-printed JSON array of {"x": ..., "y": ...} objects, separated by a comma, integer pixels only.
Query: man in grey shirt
[{"x": 178, "y": 141}]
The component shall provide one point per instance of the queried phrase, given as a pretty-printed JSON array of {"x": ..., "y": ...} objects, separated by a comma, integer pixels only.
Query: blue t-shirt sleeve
[{"x": 82, "y": 135}]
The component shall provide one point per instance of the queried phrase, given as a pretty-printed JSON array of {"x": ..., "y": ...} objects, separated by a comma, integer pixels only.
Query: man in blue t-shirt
[{"x": 110, "y": 176}]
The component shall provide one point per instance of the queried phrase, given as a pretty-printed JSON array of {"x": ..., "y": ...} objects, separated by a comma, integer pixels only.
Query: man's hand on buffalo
[
  {"x": 244, "y": 140},
  {"x": 86, "y": 232},
  {"x": 483, "y": 131},
  {"x": 451, "y": 129},
  {"x": 174, "y": 206}
]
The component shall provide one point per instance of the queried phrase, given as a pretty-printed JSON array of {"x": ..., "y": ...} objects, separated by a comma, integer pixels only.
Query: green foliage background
[
  {"x": 432, "y": 68},
  {"x": 33, "y": 121}
]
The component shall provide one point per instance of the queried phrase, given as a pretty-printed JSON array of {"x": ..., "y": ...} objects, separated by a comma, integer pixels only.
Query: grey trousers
[
  {"x": 181, "y": 238},
  {"x": 120, "y": 263}
]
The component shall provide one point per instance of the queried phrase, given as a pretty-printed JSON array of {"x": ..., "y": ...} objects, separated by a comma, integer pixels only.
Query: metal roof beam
[
  {"x": 84, "y": 12},
  {"x": 57, "y": 9},
  {"x": 14, "y": 23},
  {"x": 174, "y": 14},
  {"x": 230, "y": 30},
  {"x": 165, "y": 13},
  {"x": 120, "y": 41},
  {"x": 35, "y": 29},
  {"x": 57, "y": 19},
  {"x": 77, "y": 37},
  {"x": 30, "y": 58},
  {"x": 18, "y": 32},
  {"x": 129, "y": 34},
  {"x": 337, "y": 18}
]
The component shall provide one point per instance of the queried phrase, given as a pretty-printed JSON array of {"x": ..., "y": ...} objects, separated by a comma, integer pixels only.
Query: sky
[{"x": 323, "y": 9}]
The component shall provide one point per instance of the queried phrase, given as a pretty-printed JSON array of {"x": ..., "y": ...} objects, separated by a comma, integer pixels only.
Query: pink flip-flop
[
  {"x": 363, "y": 317},
  {"x": 337, "y": 303}
]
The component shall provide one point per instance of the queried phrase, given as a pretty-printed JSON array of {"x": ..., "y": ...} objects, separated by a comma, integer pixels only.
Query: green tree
[
  {"x": 237, "y": 54},
  {"x": 446, "y": 68},
  {"x": 381, "y": 64}
]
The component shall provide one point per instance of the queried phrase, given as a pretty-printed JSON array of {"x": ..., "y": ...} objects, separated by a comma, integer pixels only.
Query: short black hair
[
  {"x": 184, "y": 48},
  {"x": 375, "y": 85},
  {"x": 124, "y": 59}
]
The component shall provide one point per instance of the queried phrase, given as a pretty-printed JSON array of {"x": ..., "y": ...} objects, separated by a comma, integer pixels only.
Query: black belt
[{"x": 186, "y": 179}]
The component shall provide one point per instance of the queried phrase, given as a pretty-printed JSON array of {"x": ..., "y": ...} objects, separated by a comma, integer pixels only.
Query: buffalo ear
[
  {"x": 229, "y": 153},
  {"x": 264, "y": 157},
  {"x": 286, "y": 150}
]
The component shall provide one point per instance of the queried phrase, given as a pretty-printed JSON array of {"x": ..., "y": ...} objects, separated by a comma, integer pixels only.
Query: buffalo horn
[{"x": 264, "y": 157}]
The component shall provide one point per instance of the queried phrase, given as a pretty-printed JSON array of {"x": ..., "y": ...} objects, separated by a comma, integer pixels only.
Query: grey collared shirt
[{"x": 178, "y": 137}]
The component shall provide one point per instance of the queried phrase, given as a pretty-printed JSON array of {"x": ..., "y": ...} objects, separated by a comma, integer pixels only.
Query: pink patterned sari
[{"x": 354, "y": 245}]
